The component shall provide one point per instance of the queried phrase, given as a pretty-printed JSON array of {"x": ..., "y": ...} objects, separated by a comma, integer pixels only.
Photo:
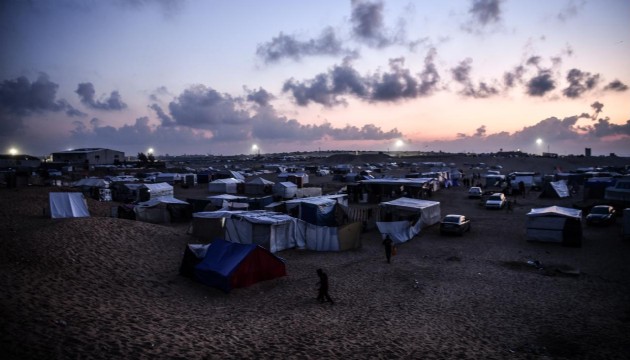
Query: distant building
[
  {"x": 92, "y": 156},
  {"x": 19, "y": 161},
  {"x": 587, "y": 151}
]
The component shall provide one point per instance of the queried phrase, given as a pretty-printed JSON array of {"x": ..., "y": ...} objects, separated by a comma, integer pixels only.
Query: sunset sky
[{"x": 217, "y": 77}]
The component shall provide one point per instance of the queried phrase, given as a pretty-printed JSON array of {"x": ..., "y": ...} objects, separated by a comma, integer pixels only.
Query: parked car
[
  {"x": 601, "y": 215},
  {"x": 496, "y": 201},
  {"x": 475, "y": 192},
  {"x": 454, "y": 224}
]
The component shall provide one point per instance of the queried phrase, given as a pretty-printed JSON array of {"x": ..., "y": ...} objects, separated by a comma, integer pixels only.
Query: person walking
[
  {"x": 388, "y": 243},
  {"x": 322, "y": 295}
]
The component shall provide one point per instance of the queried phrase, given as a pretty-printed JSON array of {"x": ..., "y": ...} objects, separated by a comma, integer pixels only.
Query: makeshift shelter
[
  {"x": 162, "y": 210},
  {"x": 229, "y": 265},
  {"x": 67, "y": 205},
  {"x": 228, "y": 186},
  {"x": 555, "y": 224},
  {"x": 555, "y": 189},
  {"x": 403, "y": 218},
  {"x": 285, "y": 189},
  {"x": 259, "y": 186},
  {"x": 153, "y": 191},
  {"x": 193, "y": 255},
  {"x": 273, "y": 231}
]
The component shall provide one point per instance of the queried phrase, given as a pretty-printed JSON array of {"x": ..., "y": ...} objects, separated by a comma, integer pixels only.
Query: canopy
[{"x": 67, "y": 205}]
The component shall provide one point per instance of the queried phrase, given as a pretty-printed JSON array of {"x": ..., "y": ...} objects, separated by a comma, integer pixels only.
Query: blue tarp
[{"x": 222, "y": 259}]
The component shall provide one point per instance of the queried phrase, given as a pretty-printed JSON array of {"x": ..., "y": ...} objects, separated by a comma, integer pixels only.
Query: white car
[
  {"x": 475, "y": 192},
  {"x": 496, "y": 201}
]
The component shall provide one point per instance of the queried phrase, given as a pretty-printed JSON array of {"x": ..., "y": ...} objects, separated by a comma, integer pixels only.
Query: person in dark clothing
[
  {"x": 388, "y": 248},
  {"x": 322, "y": 295}
]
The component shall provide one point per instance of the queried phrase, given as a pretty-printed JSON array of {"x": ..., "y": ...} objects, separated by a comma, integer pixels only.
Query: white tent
[
  {"x": 403, "y": 218},
  {"x": 228, "y": 186},
  {"x": 91, "y": 182},
  {"x": 67, "y": 205},
  {"x": 158, "y": 190},
  {"x": 285, "y": 189},
  {"x": 555, "y": 224},
  {"x": 259, "y": 186},
  {"x": 155, "y": 210}
]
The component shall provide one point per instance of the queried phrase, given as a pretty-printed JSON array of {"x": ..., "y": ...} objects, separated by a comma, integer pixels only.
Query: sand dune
[{"x": 106, "y": 288}]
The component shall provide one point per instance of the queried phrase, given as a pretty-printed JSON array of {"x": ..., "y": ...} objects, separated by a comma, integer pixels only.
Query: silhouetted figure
[
  {"x": 323, "y": 295},
  {"x": 388, "y": 248}
]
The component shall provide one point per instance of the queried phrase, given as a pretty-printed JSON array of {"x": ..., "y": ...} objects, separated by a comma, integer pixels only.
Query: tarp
[
  {"x": 555, "y": 224},
  {"x": 229, "y": 186},
  {"x": 228, "y": 265},
  {"x": 404, "y": 218},
  {"x": 159, "y": 190},
  {"x": 316, "y": 211},
  {"x": 91, "y": 182},
  {"x": 160, "y": 210},
  {"x": 67, "y": 205},
  {"x": 285, "y": 189},
  {"x": 555, "y": 189}
]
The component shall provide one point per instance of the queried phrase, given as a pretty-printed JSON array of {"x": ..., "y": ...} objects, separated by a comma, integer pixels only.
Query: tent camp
[
  {"x": 555, "y": 224},
  {"x": 403, "y": 218},
  {"x": 555, "y": 189},
  {"x": 228, "y": 186},
  {"x": 67, "y": 205},
  {"x": 162, "y": 210},
  {"x": 259, "y": 186},
  {"x": 274, "y": 231},
  {"x": 228, "y": 266}
]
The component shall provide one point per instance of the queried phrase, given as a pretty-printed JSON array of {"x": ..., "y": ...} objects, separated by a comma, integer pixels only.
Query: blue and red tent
[{"x": 228, "y": 265}]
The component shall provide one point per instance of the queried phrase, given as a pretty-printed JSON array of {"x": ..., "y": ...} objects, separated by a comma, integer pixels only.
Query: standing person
[
  {"x": 388, "y": 248},
  {"x": 322, "y": 295}
]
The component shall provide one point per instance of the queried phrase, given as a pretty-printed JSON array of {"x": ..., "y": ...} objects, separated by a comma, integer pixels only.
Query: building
[
  {"x": 92, "y": 156},
  {"x": 19, "y": 161}
]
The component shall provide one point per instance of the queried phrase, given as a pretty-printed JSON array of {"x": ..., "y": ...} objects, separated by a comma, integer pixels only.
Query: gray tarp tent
[
  {"x": 555, "y": 224},
  {"x": 67, "y": 205}
]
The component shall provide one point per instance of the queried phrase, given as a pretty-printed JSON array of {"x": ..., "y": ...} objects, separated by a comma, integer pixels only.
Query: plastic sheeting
[
  {"x": 67, "y": 205},
  {"x": 399, "y": 231}
]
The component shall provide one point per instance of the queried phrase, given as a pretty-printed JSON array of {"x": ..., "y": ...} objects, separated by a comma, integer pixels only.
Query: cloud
[
  {"x": 514, "y": 77},
  {"x": 483, "y": 13},
  {"x": 579, "y": 83},
  {"x": 616, "y": 85},
  {"x": 570, "y": 10},
  {"x": 287, "y": 46},
  {"x": 261, "y": 96},
  {"x": 368, "y": 26},
  {"x": 20, "y": 98},
  {"x": 603, "y": 127},
  {"x": 86, "y": 93},
  {"x": 165, "y": 120},
  {"x": 598, "y": 107},
  {"x": 168, "y": 7},
  {"x": 394, "y": 85},
  {"x": 461, "y": 74},
  {"x": 541, "y": 84},
  {"x": 159, "y": 92}
]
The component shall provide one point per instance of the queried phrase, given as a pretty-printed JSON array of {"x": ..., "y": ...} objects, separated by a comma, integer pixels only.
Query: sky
[{"x": 243, "y": 77}]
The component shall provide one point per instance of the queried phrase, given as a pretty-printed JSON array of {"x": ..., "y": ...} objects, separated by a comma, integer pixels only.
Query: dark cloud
[
  {"x": 603, "y": 127},
  {"x": 461, "y": 74},
  {"x": 199, "y": 107},
  {"x": 616, "y": 85},
  {"x": 343, "y": 80},
  {"x": 20, "y": 98},
  {"x": 287, "y": 46},
  {"x": 485, "y": 12},
  {"x": 570, "y": 10},
  {"x": 261, "y": 96},
  {"x": 541, "y": 84},
  {"x": 481, "y": 131},
  {"x": 367, "y": 23},
  {"x": 511, "y": 79},
  {"x": 396, "y": 84},
  {"x": 159, "y": 92},
  {"x": 579, "y": 83},
  {"x": 598, "y": 107},
  {"x": 87, "y": 93},
  {"x": 368, "y": 27},
  {"x": 164, "y": 118}
]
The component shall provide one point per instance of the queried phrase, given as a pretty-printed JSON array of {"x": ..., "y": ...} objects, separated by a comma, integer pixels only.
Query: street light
[
  {"x": 13, "y": 151},
  {"x": 150, "y": 151}
]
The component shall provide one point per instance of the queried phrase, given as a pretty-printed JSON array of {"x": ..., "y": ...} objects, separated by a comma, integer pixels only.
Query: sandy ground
[{"x": 109, "y": 288}]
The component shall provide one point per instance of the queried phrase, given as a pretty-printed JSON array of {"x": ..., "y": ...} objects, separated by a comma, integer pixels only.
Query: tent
[
  {"x": 403, "y": 218},
  {"x": 67, "y": 205},
  {"x": 285, "y": 189},
  {"x": 259, "y": 186},
  {"x": 555, "y": 224},
  {"x": 555, "y": 189},
  {"x": 273, "y": 231},
  {"x": 162, "y": 210},
  {"x": 229, "y": 265},
  {"x": 229, "y": 186}
]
